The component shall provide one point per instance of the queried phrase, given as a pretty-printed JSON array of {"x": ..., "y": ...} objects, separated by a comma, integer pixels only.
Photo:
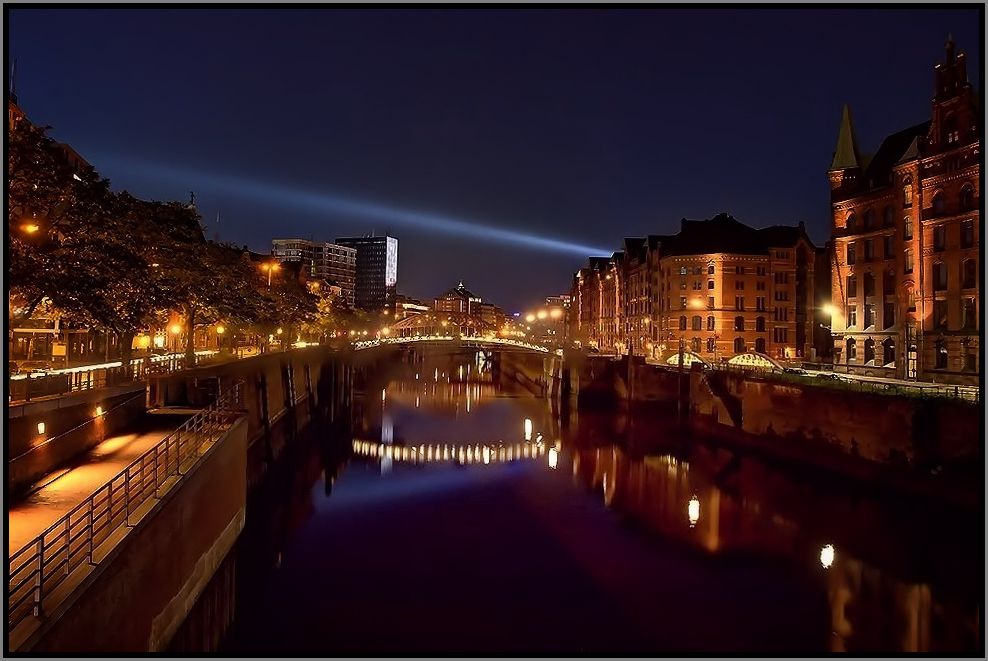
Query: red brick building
[
  {"x": 720, "y": 287},
  {"x": 906, "y": 235}
]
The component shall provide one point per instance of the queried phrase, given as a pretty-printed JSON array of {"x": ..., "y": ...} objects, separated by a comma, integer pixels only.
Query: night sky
[{"x": 581, "y": 126}]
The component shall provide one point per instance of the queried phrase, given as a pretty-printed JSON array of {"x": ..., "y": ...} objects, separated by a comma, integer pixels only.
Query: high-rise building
[
  {"x": 906, "y": 231},
  {"x": 336, "y": 264},
  {"x": 376, "y": 271}
]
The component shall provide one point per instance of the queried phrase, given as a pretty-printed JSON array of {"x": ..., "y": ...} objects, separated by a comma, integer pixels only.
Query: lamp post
[
  {"x": 175, "y": 330},
  {"x": 219, "y": 337},
  {"x": 270, "y": 267}
]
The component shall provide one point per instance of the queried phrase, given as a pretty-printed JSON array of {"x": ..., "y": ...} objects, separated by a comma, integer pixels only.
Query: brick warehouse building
[
  {"x": 719, "y": 286},
  {"x": 906, "y": 224}
]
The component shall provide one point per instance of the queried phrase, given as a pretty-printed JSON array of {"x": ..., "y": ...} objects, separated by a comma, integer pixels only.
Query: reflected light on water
[
  {"x": 693, "y": 511},
  {"x": 553, "y": 458},
  {"x": 827, "y": 555},
  {"x": 528, "y": 429}
]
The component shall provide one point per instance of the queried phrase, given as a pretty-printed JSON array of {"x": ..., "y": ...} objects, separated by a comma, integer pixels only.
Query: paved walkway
[{"x": 63, "y": 489}]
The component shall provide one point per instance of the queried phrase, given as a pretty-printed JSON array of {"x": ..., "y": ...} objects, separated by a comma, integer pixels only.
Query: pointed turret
[{"x": 846, "y": 154}]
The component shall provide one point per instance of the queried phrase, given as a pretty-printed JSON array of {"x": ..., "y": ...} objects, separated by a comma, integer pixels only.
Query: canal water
[{"x": 457, "y": 516}]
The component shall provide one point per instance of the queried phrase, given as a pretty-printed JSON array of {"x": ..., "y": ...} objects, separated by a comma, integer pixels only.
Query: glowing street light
[
  {"x": 542, "y": 314},
  {"x": 269, "y": 268},
  {"x": 220, "y": 329},
  {"x": 829, "y": 310},
  {"x": 556, "y": 313},
  {"x": 529, "y": 317},
  {"x": 175, "y": 329},
  {"x": 827, "y": 555},
  {"x": 693, "y": 511},
  {"x": 30, "y": 228}
]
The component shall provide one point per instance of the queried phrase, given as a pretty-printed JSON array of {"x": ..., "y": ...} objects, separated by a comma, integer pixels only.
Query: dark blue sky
[{"x": 582, "y": 125}]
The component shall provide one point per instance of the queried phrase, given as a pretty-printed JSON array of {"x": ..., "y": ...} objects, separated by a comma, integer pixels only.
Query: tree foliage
[{"x": 121, "y": 264}]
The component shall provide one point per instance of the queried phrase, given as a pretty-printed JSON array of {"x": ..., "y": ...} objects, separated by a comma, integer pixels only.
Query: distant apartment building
[
  {"x": 905, "y": 283},
  {"x": 376, "y": 271},
  {"x": 336, "y": 264},
  {"x": 717, "y": 288},
  {"x": 457, "y": 299}
]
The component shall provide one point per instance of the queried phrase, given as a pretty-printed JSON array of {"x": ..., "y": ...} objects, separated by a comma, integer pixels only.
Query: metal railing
[
  {"x": 25, "y": 387},
  {"x": 44, "y": 564},
  {"x": 845, "y": 382}
]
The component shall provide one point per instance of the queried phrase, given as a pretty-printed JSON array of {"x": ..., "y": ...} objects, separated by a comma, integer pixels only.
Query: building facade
[
  {"x": 717, "y": 288},
  {"x": 336, "y": 264},
  {"x": 457, "y": 299},
  {"x": 376, "y": 271},
  {"x": 905, "y": 283}
]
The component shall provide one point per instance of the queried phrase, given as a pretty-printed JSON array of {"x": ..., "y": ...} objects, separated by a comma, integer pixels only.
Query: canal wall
[
  {"x": 842, "y": 429},
  {"x": 281, "y": 393},
  {"x": 73, "y": 425},
  {"x": 875, "y": 427},
  {"x": 153, "y": 573}
]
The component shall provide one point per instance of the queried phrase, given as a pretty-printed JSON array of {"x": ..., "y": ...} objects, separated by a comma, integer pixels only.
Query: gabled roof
[
  {"x": 895, "y": 149},
  {"x": 459, "y": 291},
  {"x": 725, "y": 234}
]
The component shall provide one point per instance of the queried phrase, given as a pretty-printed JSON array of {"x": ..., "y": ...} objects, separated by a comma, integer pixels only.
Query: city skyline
[{"x": 452, "y": 148}]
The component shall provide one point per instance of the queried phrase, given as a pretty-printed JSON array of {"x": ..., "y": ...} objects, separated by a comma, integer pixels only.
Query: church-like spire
[{"x": 846, "y": 154}]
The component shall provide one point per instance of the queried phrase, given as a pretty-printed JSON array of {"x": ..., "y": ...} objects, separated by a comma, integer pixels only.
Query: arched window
[
  {"x": 938, "y": 201},
  {"x": 869, "y": 351},
  {"x": 907, "y": 192},
  {"x": 889, "y": 217},
  {"x": 710, "y": 269},
  {"x": 739, "y": 345},
  {"x": 941, "y": 354},
  {"x": 888, "y": 351},
  {"x": 697, "y": 323},
  {"x": 760, "y": 324},
  {"x": 852, "y": 349},
  {"x": 760, "y": 345},
  {"x": 869, "y": 219},
  {"x": 682, "y": 323},
  {"x": 739, "y": 323},
  {"x": 852, "y": 222},
  {"x": 711, "y": 345},
  {"x": 970, "y": 271},
  {"x": 711, "y": 324},
  {"x": 695, "y": 345},
  {"x": 967, "y": 197}
]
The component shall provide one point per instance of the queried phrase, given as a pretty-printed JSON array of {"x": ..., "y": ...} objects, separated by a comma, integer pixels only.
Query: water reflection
[
  {"x": 895, "y": 586},
  {"x": 489, "y": 508}
]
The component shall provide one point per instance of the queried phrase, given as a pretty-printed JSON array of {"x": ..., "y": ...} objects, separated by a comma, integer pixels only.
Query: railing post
[
  {"x": 127, "y": 493},
  {"x": 39, "y": 581},
  {"x": 68, "y": 542},
  {"x": 90, "y": 526}
]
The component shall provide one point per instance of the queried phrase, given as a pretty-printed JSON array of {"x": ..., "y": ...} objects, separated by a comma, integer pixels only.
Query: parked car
[
  {"x": 795, "y": 370},
  {"x": 830, "y": 376}
]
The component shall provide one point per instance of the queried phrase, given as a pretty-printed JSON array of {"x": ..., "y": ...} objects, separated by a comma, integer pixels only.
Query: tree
[{"x": 64, "y": 242}]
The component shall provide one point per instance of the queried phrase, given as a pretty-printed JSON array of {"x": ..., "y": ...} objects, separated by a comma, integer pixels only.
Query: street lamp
[
  {"x": 175, "y": 330},
  {"x": 219, "y": 336},
  {"x": 30, "y": 228},
  {"x": 270, "y": 267}
]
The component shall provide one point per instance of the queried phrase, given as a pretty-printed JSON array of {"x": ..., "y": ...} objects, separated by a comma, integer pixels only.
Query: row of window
[
  {"x": 739, "y": 345},
  {"x": 888, "y": 251},
  {"x": 940, "y": 352},
  {"x": 965, "y": 202},
  {"x": 969, "y": 275},
  {"x": 697, "y": 324},
  {"x": 738, "y": 270}
]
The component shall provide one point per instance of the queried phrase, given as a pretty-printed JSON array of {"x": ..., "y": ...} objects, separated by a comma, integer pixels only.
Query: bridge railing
[
  {"x": 469, "y": 339},
  {"x": 38, "y": 569}
]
